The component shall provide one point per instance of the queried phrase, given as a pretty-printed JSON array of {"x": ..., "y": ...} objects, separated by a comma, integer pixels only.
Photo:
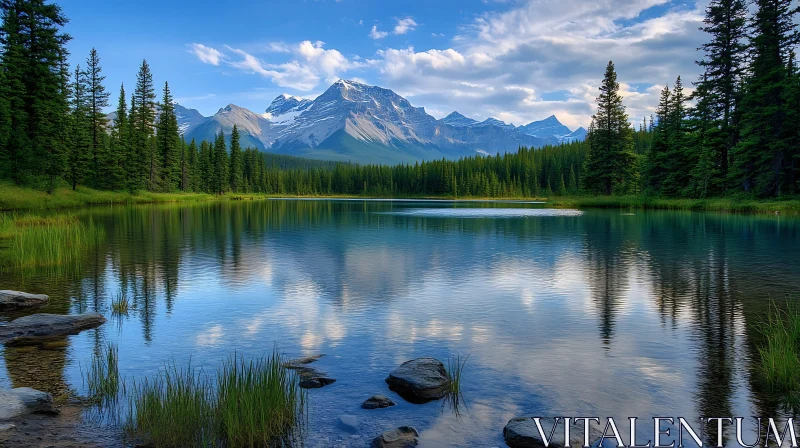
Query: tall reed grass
[
  {"x": 780, "y": 352},
  {"x": 454, "y": 397},
  {"x": 59, "y": 241},
  {"x": 255, "y": 403}
]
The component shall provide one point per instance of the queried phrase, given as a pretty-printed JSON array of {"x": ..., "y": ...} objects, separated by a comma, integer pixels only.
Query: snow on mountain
[
  {"x": 455, "y": 119},
  {"x": 362, "y": 123}
]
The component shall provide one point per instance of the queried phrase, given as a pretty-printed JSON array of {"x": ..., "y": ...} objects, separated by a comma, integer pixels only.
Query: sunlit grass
[
  {"x": 58, "y": 242},
  {"x": 102, "y": 377},
  {"x": 174, "y": 409},
  {"x": 255, "y": 403},
  {"x": 455, "y": 370},
  {"x": 780, "y": 352},
  {"x": 120, "y": 305},
  {"x": 259, "y": 402}
]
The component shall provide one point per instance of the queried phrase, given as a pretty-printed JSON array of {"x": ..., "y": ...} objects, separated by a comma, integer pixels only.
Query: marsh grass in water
[
  {"x": 780, "y": 351},
  {"x": 454, "y": 397},
  {"x": 120, "y": 305},
  {"x": 103, "y": 383},
  {"x": 252, "y": 404},
  {"x": 259, "y": 402},
  {"x": 57, "y": 242},
  {"x": 174, "y": 409}
]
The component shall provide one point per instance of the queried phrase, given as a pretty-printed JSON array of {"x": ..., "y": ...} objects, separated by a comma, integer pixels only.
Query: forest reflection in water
[{"x": 592, "y": 312}]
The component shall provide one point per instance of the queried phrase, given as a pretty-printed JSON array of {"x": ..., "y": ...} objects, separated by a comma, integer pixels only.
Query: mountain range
[{"x": 356, "y": 122}]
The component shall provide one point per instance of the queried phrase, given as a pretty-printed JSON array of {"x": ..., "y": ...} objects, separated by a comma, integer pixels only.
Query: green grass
[
  {"x": 729, "y": 205},
  {"x": 780, "y": 351},
  {"x": 175, "y": 409},
  {"x": 102, "y": 377},
  {"x": 454, "y": 369},
  {"x": 258, "y": 402},
  {"x": 254, "y": 403},
  {"x": 58, "y": 241},
  {"x": 13, "y": 197},
  {"x": 120, "y": 305}
]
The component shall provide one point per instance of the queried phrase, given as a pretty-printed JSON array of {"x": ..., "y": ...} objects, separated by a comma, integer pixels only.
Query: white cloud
[
  {"x": 206, "y": 55},
  {"x": 402, "y": 26},
  {"x": 375, "y": 34},
  {"x": 405, "y": 25},
  {"x": 540, "y": 57}
]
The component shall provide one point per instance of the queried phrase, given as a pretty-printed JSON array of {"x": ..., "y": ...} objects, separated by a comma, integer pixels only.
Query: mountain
[
  {"x": 352, "y": 121},
  {"x": 188, "y": 118},
  {"x": 551, "y": 128},
  {"x": 457, "y": 120},
  {"x": 254, "y": 129}
]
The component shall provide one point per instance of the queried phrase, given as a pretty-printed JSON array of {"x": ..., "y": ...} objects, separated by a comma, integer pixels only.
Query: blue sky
[{"x": 515, "y": 60}]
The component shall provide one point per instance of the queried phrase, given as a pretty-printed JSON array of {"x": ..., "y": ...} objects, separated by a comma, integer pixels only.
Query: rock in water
[
  {"x": 521, "y": 432},
  {"x": 349, "y": 423},
  {"x": 316, "y": 382},
  {"x": 377, "y": 402},
  {"x": 402, "y": 437},
  {"x": 24, "y": 400},
  {"x": 45, "y": 325},
  {"x": 420, "y": 380},
  {"x": 10, "y": 300}
]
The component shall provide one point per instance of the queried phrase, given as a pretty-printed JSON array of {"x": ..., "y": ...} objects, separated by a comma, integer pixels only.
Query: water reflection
[{"x": 576, "y": 313}]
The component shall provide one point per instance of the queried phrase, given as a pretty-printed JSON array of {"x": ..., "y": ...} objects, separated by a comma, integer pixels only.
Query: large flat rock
[
  {"x": 10, "y": 300},
  {"x": 420, "y": 380},
  {"x": 47, "y": 325},
  {"x": 24, "y": 400}
]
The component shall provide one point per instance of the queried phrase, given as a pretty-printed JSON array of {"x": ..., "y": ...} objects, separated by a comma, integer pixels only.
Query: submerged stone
[
  {"x": 402, "y": 437},
  {"x": 10, "y": 300},
  {"x": 349, "y": 423},
  {"x": 316, "y": 382},
  {"x": 420, "y": 380},
  {"x": 377, "y": 402}
]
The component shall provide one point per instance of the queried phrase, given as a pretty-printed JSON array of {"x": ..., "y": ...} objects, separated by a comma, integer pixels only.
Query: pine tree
[
  {"x": 678, "y": 160},
  {"x": 610, "y": 158},
  {"x": 657, "y": 162},
  {"x": 220, "y": 166},
  {"x": 33, "y": 59},
  {"x": 235, "y": 173},
  {"x": 761, "y": 157},
  {"x": 715, "y": 93},
  {"x": 79, "y": 152},
  {"x": 168, "y": 142},
  {"x": 142, "y": 124},
  {"x": 98, "y": 100},
  {"x": 118, "y": 150}
]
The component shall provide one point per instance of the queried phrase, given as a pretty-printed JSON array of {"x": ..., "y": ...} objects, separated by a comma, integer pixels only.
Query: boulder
[
  {"x": 402, "y": 437},
  {"x": 48, "y": 325},
  {"x": 377, "y": 402},
  {"x": 420, "y": 380},
  {"x": 10, "y": 300},
  {"x": 316, "y": 382},
  {"x": 521, "y": 432},
  {"x": 24, "y": 400}
]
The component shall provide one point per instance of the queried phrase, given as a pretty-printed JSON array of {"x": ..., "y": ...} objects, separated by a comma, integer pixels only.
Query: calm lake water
[{"x": 562, "y": 312}]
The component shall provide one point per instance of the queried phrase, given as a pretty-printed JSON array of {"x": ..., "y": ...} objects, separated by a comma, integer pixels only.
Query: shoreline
[{"x": 14, "y": 198}]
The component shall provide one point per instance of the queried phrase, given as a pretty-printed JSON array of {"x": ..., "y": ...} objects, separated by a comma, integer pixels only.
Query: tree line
[{"x": 738, "y": 131}]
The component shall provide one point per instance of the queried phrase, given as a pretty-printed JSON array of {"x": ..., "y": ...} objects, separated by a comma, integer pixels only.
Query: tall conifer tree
[{"x": 610, "y": 158}]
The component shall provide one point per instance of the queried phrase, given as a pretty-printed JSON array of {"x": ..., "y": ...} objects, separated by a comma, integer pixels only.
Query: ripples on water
[{"x": 562, "y": 311}]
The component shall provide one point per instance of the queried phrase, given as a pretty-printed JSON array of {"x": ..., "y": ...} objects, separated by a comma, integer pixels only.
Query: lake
[{"x": 562, "y": 312}]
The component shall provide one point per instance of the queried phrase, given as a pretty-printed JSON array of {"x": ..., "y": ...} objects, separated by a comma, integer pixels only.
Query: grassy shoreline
[{"x": 19, "y": 198}]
